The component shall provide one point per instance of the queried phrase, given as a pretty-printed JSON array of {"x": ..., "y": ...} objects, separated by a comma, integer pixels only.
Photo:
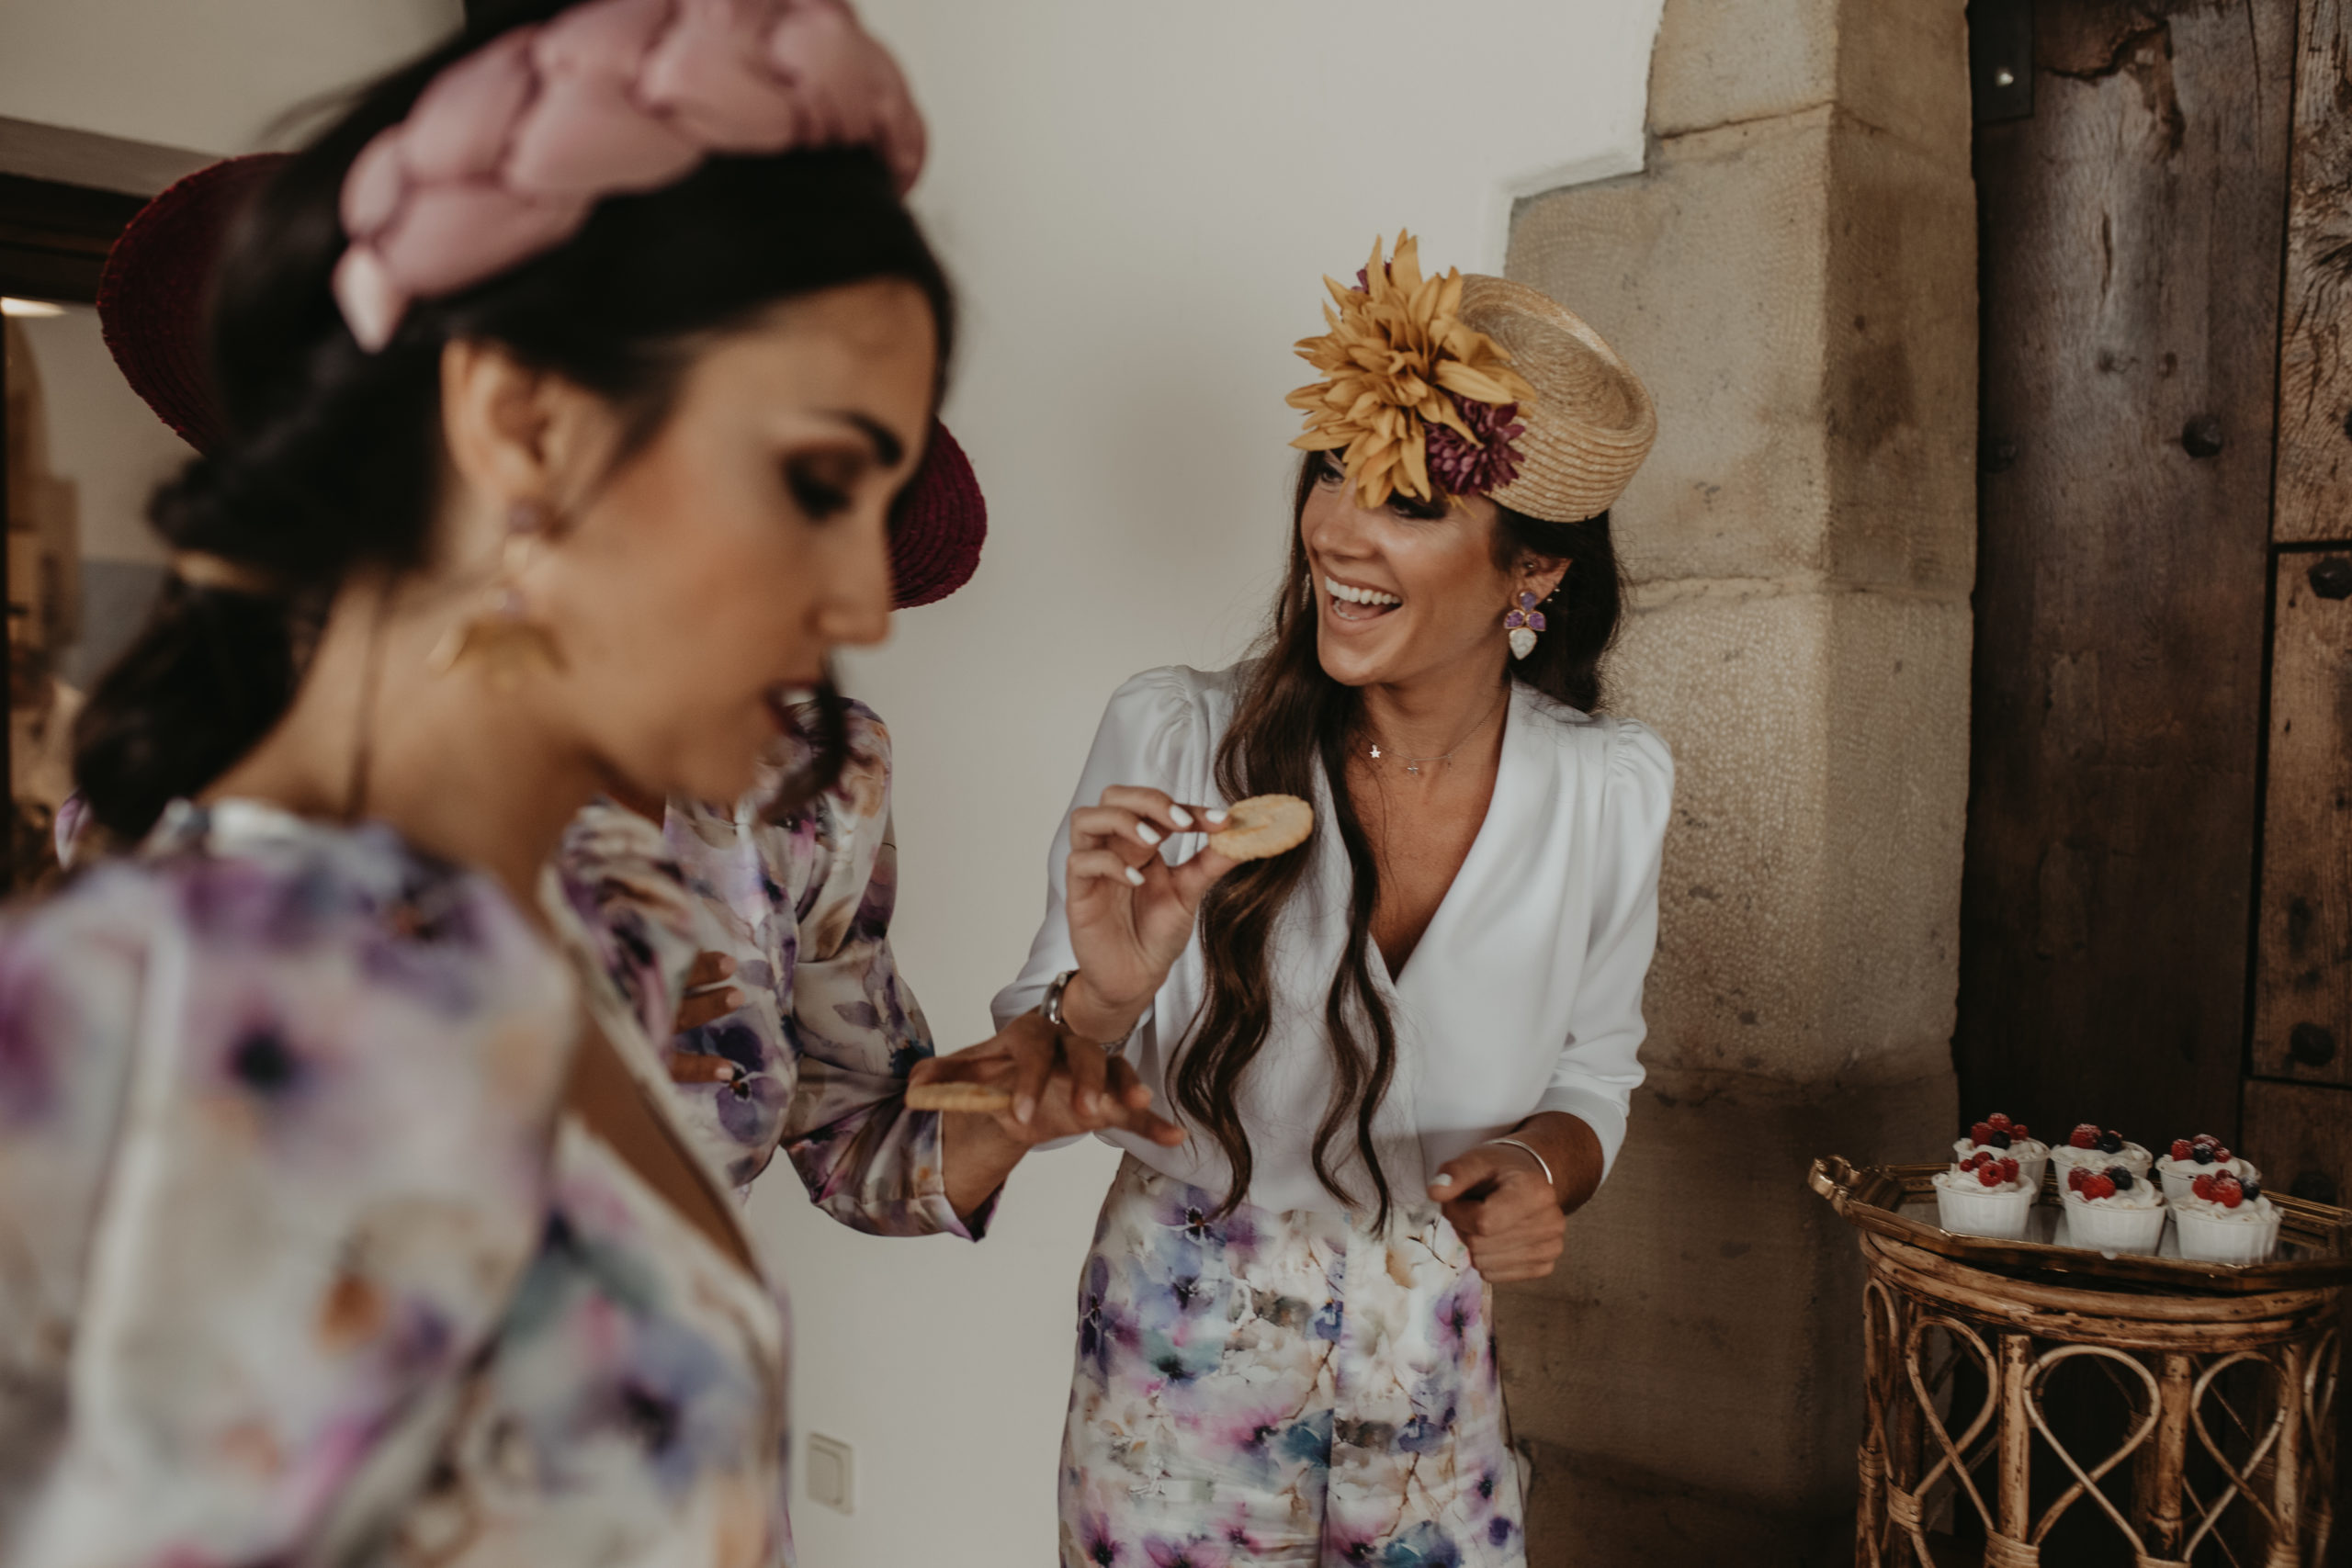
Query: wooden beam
[
  {"x": 2314, "y": 499},
  {"x": 64, "y": 156},
  {"x": 2303, "y": 971}
]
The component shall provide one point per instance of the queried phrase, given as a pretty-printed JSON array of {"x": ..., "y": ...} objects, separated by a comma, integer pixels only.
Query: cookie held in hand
[
  {"x": 958, "y": 1097},
  {"x": 1262, "y": 826}
]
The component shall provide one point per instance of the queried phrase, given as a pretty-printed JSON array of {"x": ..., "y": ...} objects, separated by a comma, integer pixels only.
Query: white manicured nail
[
  {"x": 1216, "y": 815},
  {"x": 1135, "y": 877},
  {"x": 1441, "y": 1180},
  {"x": 1144, "y": 831},
  {"x": 1178, "y": 814}
]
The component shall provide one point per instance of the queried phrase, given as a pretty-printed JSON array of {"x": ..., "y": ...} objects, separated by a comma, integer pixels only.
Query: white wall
[
  {"x": 207, "y": 74},
  {"x": 1138, "y": 203}
]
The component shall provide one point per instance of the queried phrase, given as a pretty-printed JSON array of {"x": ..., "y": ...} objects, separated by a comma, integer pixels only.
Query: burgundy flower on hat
[{"x": 1461, "y": 469}]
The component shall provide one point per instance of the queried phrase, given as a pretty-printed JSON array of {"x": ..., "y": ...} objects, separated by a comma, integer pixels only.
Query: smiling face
[
  {"x": 713, "y": 573},
  {"x": 1409, "y": 590}
]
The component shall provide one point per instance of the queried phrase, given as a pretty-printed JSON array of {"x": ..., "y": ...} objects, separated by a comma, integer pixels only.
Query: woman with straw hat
[{"x": 1404, "y": 1050}]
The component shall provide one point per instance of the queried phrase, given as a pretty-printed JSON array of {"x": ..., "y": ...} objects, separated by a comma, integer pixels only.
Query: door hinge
[{"x": 2000, "y": 59}]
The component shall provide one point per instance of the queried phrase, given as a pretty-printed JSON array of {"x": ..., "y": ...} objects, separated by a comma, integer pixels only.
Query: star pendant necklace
[{"x": 1414, "y": 764}]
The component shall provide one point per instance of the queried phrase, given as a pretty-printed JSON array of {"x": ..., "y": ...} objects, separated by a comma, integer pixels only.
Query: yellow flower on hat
[{"x": 1395, "y": 361}]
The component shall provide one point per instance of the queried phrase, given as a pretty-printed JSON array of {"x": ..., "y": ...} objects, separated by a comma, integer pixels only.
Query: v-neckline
[
  {"x": 605, "y": 1007},
  {"x": 1478, "y": 843}
]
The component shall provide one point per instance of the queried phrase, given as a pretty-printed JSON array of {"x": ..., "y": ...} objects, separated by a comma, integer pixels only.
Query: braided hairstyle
[{"x": 332, "y": 460}]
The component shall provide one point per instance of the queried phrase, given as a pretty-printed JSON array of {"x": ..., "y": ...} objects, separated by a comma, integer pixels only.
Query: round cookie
[
  {"x": 1263, "y": 826},
  {"x": 958, "y": 1097}
]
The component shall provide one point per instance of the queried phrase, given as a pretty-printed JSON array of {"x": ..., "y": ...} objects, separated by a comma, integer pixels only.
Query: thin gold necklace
[{"x": 1413, "y": 764}]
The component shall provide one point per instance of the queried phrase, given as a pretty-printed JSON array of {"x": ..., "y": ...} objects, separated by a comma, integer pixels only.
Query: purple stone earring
[{"x": 1522, "y": 624}]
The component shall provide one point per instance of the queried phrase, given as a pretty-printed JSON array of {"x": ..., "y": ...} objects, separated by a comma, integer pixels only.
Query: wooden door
[{"x": 2132, "y": 232}]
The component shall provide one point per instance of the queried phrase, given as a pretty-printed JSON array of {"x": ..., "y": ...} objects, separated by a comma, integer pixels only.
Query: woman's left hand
[
  {"x": 1061, "y": 1086},
  {"x": 1504, "y": 1210}
]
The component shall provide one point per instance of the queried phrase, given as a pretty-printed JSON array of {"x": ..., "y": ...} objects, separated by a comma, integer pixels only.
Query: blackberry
[
  {"x": 1997, "y": 1139},
  {"x": 2120, "y": 1177},
  {"x": 2202, "y": 1154},
  {"x": 2110, "y": 1142}
]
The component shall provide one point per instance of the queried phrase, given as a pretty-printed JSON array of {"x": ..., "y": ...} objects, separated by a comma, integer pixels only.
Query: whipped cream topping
[
  {"x": 2133, "y": 1157},
  {"x": 1958, "y": 1180},
  {"x": 2022, "y": 1150},
  {"x": 2139, "y": 1195},
  {"x": 2255, "y": 1213},
  {"x": 2190, "y": 1168}
]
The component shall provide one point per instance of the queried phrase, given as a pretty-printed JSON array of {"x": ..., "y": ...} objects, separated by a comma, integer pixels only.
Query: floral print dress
[{"x": 302, "y": 1256}]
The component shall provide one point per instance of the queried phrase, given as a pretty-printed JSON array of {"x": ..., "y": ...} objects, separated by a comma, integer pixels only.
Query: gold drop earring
[{"x": 503, "y": 639}]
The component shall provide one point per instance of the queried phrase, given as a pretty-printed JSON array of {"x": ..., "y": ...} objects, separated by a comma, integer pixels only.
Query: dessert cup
[
  {"x": 2132, "y": 1157},
  {"x": 2211, "y": 1233},
  {"x": 1964, "y": 1206},
  {"x": 2032, "y": 1154},
  {"x": 2177, "y": 1175},
  {"x": 2102, "y": 1224}
]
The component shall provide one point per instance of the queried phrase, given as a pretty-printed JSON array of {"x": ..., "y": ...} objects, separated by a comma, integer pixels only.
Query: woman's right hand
[{"x": 1130, "y": 912}]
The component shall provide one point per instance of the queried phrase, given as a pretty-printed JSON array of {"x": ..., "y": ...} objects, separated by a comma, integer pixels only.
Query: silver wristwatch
[{"x": 1050, "y": 1009}]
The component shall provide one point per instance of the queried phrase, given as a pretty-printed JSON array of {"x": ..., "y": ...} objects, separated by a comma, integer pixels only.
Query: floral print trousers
[{"x": 1291, "y": 1388}]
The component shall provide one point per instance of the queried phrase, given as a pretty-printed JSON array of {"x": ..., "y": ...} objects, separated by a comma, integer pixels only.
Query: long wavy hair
[{"x": 1292, "y": 720}]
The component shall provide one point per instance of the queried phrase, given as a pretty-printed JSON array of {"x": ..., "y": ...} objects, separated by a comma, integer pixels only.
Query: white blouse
[{"x": 1524, "y": 994}]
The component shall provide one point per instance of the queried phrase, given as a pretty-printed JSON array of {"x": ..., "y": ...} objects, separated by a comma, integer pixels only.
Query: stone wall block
[
  {"x": 1708, "y": 272},
  {"x": 1808, "y": 906},
  {"x": 1780, "y": 59},
  {"x": 1716, "y": 64},
  {"x": 1901, "y": 417},
  {"x": 1747, "y": 1389}
]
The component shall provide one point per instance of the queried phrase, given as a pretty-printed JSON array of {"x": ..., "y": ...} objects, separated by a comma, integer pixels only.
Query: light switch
[{"x": 832, "y": 1480}]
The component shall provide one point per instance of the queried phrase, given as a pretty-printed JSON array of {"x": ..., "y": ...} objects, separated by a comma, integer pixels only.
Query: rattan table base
[{"x": 2208, "y": 1481}]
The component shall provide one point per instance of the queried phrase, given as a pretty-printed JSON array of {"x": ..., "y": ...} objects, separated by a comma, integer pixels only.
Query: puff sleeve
[
  {"x": 1599, "y": 1065},
  {"x": 1156, "y": 733},
  {"x": 272, "y": 1159}
]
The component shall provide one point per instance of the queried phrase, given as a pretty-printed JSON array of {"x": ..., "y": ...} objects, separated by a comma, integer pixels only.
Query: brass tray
[{"x": 1899, "y": 1202}]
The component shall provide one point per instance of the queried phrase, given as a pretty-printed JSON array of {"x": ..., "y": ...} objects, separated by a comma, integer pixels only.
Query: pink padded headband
[{"x": 507, "y": 150}]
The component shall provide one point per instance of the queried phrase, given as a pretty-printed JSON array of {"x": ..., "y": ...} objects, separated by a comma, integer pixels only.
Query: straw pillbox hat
[{"x": 1590, "y": 423}]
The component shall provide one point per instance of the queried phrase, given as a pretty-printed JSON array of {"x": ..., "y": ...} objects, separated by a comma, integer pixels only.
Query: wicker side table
[{"x": 2173, "y": 1355}]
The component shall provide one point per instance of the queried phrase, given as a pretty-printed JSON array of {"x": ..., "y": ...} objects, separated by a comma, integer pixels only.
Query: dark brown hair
[
  {"x": 1291, "y": 719},
  {"x": 331, "y": 461}
]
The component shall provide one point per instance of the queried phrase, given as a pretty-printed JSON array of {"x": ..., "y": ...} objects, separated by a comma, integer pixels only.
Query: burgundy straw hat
[
  {"x": 152, "y": 296},
  {"x": 151, "y": 300}
]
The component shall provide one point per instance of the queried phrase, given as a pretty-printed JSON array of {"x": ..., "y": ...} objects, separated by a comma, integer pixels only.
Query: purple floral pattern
[
  {"x": 1286, "y": 1388},
  {"x": 828, "y": 1031},
  {"x": 302, "y": 1260}
]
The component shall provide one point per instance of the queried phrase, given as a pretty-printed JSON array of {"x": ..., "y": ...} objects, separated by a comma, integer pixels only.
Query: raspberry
[
  {"x": 2016, "y": 1129},
  {"x": 1999, "y": 1121},
  {"x": 1989, "y": 1174},
  {"x": 2009, "y": 1171},
  {"x": 2076, "y": 1175},
  {"x": 2229, "y": 1191},
  {"x": 2084, "y": 1136},
  {"x": 2202, "y": 1186},
  {"x": 2098, "y": 1186},
  {"x": 2220, "y": 1155},
  {"x": 2181, "y": 1148},
  {"x": 1979, "y": 1132},
  {"x": 2206, "y": 1138}
]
